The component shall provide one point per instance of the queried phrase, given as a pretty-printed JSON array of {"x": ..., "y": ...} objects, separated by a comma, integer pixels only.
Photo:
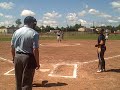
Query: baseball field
[{"x": 69, "y": 65}]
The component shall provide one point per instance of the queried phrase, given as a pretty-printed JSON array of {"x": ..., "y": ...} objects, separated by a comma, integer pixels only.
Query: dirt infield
[{"x": 70, "y": 65}]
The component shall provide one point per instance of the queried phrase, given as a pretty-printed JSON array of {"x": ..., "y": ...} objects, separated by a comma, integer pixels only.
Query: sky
[{"x": 61, "y": 12}]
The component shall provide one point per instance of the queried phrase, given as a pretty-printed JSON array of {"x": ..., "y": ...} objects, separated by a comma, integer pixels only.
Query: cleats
[{"x": 99, "y": 71}]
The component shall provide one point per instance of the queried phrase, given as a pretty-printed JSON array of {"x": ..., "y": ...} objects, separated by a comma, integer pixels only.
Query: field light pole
[
  {"x": 42, "y": 27},
  {"x": 66, "y": 25},
  {"x": 93, "y": 23}
]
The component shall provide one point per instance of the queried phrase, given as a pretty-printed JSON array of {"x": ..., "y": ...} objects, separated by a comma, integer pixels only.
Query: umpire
[
  {"x": 25, "y": 53},
  {"x": 101, "y": 48}
]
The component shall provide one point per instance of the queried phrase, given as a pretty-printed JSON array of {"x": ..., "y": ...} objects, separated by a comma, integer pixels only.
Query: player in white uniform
[
  {"x": 106, "y": 34},
  {"x": 59, "y": 36}
]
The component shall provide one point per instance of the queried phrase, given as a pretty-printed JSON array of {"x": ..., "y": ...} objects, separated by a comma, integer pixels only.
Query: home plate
[{"x": 64, "y": 70}]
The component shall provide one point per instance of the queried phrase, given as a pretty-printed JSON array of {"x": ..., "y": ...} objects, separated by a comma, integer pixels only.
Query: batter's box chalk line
[
  {"x": 74, "y": 75},
  {"x": 59, "y": 64},
  {"x": 61, "y": 44},
  {"x": 6, "y": 60},
  {"x": 8, "y": 73}
]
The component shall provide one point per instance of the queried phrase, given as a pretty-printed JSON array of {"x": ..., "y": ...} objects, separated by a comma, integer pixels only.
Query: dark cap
[{"x": 29, "y": 19}]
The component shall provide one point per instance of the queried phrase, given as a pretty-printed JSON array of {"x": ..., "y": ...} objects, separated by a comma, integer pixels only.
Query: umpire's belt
[{"x": 24, "y": 53}]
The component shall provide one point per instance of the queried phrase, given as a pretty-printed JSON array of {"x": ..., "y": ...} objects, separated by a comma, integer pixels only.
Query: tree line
[{"x": 67, "y": 28}]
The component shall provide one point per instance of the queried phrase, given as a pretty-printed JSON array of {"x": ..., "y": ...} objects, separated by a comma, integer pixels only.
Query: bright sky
[{"x": 61, "y": 12}]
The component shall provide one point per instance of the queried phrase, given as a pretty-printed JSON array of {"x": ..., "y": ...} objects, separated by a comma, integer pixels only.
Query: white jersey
[
  {"x": 106, "y": 36},
  {"x": 58, "y": 35}
]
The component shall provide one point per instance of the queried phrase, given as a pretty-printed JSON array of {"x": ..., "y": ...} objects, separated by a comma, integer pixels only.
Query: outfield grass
[
  {"x": 5, "y": 37},
  {"x": 78, "y": 36},
  {"x": 114, "y": 37},
  {"x": 67, "y": 36}
]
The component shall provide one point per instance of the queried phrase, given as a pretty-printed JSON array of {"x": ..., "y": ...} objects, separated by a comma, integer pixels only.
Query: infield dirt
[{"x": 60, "y": 62}]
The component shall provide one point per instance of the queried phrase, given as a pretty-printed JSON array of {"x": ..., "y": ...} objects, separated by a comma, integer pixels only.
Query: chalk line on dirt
[
  {"x": 6, "y": 60},
  {"x": 97, "y": 59},
  {"x": 8, "y": 73},
  {"x": 56, "y": 66},
  {"x": 63, "y": 63}
]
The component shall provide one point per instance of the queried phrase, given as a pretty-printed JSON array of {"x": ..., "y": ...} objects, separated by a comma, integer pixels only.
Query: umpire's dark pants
[
  {"x": 23, "y": 74},
  {"x": 101, "y": 64}
]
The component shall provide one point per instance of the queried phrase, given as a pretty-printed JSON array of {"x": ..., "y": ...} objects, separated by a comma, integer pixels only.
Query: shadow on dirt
[
  {"x": 46, "y": 84},
  {"x": 114, "y": 70}
]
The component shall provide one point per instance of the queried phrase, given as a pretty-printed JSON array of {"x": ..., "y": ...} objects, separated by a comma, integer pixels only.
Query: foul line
[
  {"x": 97, "y": 59},
  {"x": 77, "y": 62}
]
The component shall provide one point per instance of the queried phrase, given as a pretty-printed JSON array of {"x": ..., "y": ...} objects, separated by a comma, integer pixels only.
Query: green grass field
[
  {"x": 5, "y": 37},
  {"x": 67, "y": 36}
]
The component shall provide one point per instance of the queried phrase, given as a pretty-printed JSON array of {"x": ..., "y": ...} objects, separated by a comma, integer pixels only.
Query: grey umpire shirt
[{"x": 25, "y": 39}]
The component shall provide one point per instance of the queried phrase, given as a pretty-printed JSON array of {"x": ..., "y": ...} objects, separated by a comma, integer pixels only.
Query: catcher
[{"x": 101, "y": 48}]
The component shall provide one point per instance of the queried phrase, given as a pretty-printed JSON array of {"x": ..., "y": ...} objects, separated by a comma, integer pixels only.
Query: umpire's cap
[{"x": 30, "y": 19}]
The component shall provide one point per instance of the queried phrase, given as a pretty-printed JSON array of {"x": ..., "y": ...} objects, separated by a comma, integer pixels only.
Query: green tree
[
  {"x": 110, "y": 28},
  {"x": 76, "y": 27},
  {"x": 18, "y": 22},
  {"x": 118, "y": 27},
  {"x": 37, "y": 29},
  {"x": 47, "y": 28},
  {"x": 57, "y": 28}
]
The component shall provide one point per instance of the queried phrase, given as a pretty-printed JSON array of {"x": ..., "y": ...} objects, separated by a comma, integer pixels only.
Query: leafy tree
[
  {"x": 77, "y": 26},
  {"x": 18, "y": 22},
  {"x": 118, "y": 27},
  {"x": 47, "y": 28},
  {"x": 57, "y": 28},
  {"x": 63, "y": 29},
  {"x": 37, "y": 29},
  {"x": 42, "y": 28}
]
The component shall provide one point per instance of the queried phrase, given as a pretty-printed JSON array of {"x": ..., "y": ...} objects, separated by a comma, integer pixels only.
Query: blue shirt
[
  {"x": 101, "y": 37},
  {"x": 25, "y": 39}
]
